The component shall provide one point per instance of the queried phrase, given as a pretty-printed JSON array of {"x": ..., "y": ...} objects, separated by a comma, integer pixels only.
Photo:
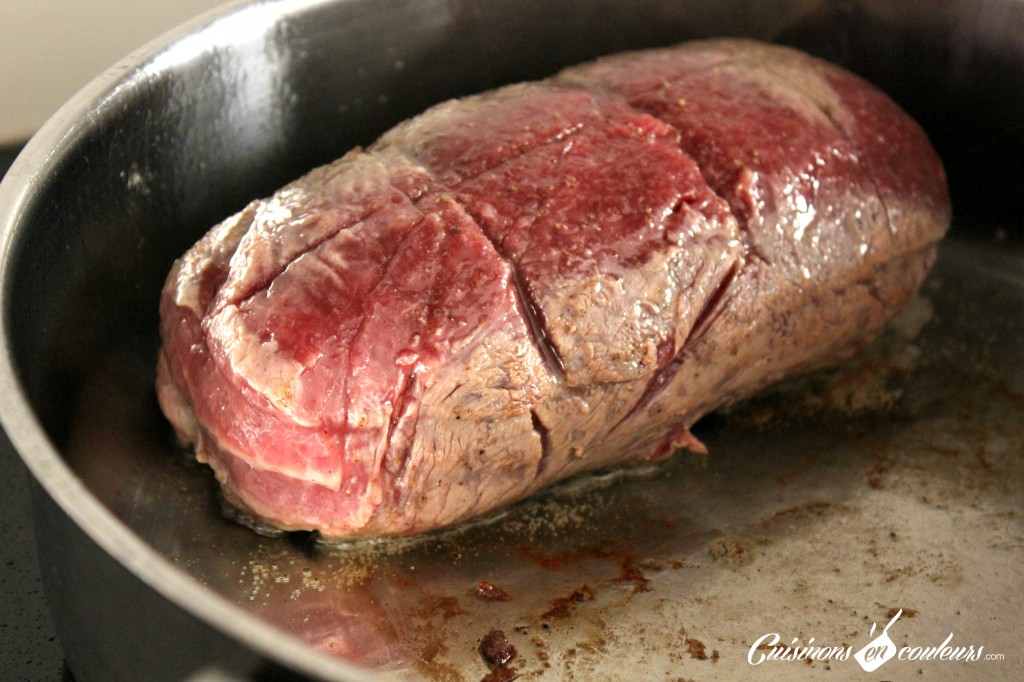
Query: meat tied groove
[{"x": 544, "y": 279}]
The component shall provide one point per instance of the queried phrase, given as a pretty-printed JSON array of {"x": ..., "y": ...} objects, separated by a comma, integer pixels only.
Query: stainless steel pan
[{"x": 893, "y": 483}]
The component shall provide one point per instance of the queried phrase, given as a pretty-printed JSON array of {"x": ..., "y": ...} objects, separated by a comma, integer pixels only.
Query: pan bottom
[{"x": 891, "y": 484}]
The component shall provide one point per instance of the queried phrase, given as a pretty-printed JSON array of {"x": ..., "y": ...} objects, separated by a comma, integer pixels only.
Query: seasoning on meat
[{"x": 542, "y": 280}]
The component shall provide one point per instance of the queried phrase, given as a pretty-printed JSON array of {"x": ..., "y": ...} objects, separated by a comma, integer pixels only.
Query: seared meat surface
[{"x": 545, "y": 279}]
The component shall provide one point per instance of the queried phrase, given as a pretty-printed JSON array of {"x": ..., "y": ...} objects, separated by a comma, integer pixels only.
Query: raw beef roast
[{"x": 541, "y": 280}]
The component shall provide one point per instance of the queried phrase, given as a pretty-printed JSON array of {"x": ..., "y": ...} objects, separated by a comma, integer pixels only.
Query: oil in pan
[{"x": 891, "y": 485}]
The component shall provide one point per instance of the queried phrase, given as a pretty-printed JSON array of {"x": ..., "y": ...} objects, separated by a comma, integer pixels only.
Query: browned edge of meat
[{"x": 543, "y": 280}]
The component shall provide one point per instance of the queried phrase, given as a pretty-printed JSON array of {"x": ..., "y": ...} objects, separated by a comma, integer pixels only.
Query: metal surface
[
  {"x": 28, "y": 645},
  {"x": 894, "y": 483}
]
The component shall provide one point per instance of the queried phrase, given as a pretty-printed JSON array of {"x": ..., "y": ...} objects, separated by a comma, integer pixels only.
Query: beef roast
[{"x": 545, "y": 279}]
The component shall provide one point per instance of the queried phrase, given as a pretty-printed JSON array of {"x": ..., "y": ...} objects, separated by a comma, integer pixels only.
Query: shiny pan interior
[{"x": 894, "y": 482}]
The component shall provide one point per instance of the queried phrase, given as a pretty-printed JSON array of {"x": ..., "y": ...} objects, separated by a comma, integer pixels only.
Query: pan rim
[{"x": 26, "y": 176}]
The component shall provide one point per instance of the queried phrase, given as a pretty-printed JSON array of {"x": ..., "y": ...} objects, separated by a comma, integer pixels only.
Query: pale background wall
[{"x": 51, "y": 48}]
